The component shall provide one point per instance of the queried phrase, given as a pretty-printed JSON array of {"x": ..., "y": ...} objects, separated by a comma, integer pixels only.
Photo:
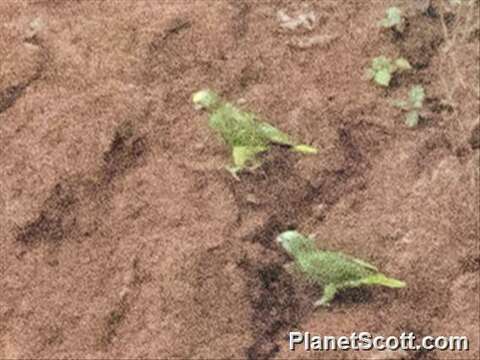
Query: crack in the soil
[
  {"x": 125, "y": 152},
  {"x": 55, "y": 219},
  {"x": 10, "y": 95},
  {"x": 118, "y": 314},
  {"x": 61, "y": 211},
  {"x": 275, "y": 306}
]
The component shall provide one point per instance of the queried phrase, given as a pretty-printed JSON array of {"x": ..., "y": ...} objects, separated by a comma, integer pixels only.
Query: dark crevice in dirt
[
  {"x": 274, "y": 226},
  {"x": 275, "y": 188},
  {"x": 9, "y": 96},
  {"x": 288, "y": 200},
  {"x": 118, "y": 314},
  {"x": 252, "y": 73},
  {"x": 240, "y": 23},
  {"x": 165, "y": 57},
  {"x": 126, "y": 151},
  {"x": 428, "y": 151},
  {"x": 437, "y": 106},
  {"x": 420, "y": 40},
  {"x": 474, "y": 139},
  {"x": 53, "y": 336},
  {"x": 471, "y": 263},
  {"x": 275, "y": 306},
  {"x": 474, "y": 35},
  {"x": 56, "y": 218},
  {"x": 431, "y": 12},
  {"x": 66, "y": 212},
  {"x": 112, "y": 321},
  {"x": 175, "y": 26},
  {"x": 419, "y": 332}
]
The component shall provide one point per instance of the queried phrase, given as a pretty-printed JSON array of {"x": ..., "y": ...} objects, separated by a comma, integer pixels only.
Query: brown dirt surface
[{"x": 122, "y": 234}]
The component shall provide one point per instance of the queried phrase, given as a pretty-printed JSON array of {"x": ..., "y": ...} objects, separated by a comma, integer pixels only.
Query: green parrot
[
  {"x": 333, "y": 270},
  {"x": 242, "y": 131}
]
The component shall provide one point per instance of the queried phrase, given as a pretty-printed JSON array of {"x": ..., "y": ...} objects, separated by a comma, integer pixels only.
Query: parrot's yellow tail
[{"x": 380, "y": 279}]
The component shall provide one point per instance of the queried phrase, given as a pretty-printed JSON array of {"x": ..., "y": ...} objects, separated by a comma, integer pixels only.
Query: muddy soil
[{"x": 122, "y": 234}]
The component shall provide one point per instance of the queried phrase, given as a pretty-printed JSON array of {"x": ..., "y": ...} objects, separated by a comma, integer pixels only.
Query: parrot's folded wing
[
  {"x": 380, "y": 279},
  {"x": 279, "y": 137},
  {"x": 364, "y": 264},
  {"x": 274, "y": 135}
]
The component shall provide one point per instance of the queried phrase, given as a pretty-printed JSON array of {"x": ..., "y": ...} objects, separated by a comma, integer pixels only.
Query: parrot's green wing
[
  {"x": 377, "y": 279},
  {"x": 279, "y": 137},
  {"x": 274, "y": 135},
  {"x": 364, "y": 264},
  {"x": 328, "y": 267}
]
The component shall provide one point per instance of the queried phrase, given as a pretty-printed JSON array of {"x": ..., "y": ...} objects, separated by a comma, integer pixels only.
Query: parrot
[
  {"x": 242, "y": 131},
  {"x": 332, "y": 270}
]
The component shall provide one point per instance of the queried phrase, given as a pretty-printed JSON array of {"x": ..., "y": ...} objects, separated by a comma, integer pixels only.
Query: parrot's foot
[
  {"x": 233, "y": 170},
  {"x": 328, "y": 294},
  {"x": 289, "y": 267},
  {"x": 321, "y": 303}
]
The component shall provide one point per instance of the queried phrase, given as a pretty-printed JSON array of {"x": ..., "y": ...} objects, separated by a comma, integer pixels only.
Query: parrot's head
[
  {"x": 205, "y": 99},
  {"x": 294, "y": 243}
]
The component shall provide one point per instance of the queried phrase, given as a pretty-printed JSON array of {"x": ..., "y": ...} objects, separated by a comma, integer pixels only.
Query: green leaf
[
  {"x": 402, "y": 64},
  {"x": 369, "y": 74},
  {"x": 412, "y": 119},
  {"x": 380, "y": 63},
  {"x": 402, "y": 104},
  {"x": 383, "y": 77},
  {"x": 455, "y": 2},
  {"x": 305, "y": 149},
  {"x": 393, "y": 18},
  {"x": 383, "y": 68},
  {"x": 416, "y": 96}
]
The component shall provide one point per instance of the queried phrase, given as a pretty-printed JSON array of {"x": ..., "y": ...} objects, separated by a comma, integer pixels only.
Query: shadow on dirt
[{"x": 68, "y": 207}]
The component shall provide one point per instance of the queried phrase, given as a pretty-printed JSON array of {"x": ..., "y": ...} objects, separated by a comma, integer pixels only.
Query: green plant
[
  {"x": 243, "y": 132},
  {"x": 412, "y": 105},
  {"x": 383, "y": 68},
  {"x": 393, "y": 19},
  {"x": 333, "y": 270},
  {"x": 455, "y": 2}
]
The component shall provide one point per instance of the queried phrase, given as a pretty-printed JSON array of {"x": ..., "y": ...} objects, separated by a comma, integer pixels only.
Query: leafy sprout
[
  {"x": 393, "y": 19},
  {"x": 455, "y": 2},
  {"x": 383, "y": 68},
  {"x": 412, "y": 105}
]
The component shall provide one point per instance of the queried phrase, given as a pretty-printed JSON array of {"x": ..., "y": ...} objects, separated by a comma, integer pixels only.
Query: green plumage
[
  {"x": 333, "y": 270},
  {"x": 242, "y": 131}
]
